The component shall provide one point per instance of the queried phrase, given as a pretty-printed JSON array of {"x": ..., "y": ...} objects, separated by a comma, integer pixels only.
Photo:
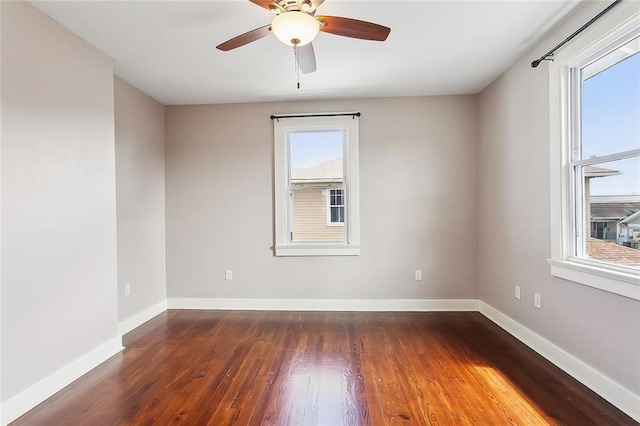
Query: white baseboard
[
  {"x": 618, "y": 395},
  {"x": 398, "y": 305},
  {"x": 19, "y": 404},
  {"x": 140, "y": 318}
]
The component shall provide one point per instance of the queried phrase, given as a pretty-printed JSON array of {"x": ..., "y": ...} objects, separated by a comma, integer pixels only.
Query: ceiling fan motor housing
[{"x": 295, "y": 5}]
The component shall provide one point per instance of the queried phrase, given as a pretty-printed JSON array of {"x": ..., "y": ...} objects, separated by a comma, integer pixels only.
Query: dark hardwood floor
[{"x": 324, "y": 368}]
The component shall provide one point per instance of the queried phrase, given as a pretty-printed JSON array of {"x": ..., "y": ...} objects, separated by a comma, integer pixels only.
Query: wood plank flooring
[{"x": 324, "y": 368}]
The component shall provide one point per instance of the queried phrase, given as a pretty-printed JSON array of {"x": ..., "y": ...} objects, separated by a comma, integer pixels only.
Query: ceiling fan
[{"x": 295, "y": 24}]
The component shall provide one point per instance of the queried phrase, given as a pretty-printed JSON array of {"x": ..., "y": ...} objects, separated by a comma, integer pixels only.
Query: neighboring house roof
[
  {"x": 613, "y": 207},
  {"x": 609, "y": 251},
  {"x": 329, "y": 171},
  {"x": 632, "y": 218},
  {"x": 595, "y": 171}
]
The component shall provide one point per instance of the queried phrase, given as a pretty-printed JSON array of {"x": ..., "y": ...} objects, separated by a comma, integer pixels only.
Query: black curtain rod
[
  {"x": 340, "y": 114},
  {"x": 545, "y": 57}
]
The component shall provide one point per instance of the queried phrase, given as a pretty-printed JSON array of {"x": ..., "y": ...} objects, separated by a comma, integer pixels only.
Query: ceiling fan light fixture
[{"x": 295, "y": 28}]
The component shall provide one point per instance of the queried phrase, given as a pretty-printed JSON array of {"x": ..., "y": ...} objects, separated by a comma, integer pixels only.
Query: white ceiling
[{"x": 167, "y": 48}]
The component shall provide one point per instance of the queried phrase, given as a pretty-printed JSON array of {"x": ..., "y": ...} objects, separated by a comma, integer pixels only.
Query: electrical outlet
[
  {"x": 536, "y": 300},
  {"x": 418, "y": 274},
  {"x": 127, "y": 289},
  {"x": 228, "y": 275},
  {"x": 517, "y": 292}
]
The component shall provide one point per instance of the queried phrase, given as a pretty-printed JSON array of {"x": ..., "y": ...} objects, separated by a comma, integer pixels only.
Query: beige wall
[
  {"x": 599, "y": 328},
  {"x": 309, "y": 216},
  {"x": 139, "y": 133},
  {"x": 59, "y": 296},
  {"x": 219, "y": 196}
]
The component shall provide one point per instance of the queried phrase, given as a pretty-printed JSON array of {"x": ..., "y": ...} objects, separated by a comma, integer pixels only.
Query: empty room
[{"x": 320, "y": 212}]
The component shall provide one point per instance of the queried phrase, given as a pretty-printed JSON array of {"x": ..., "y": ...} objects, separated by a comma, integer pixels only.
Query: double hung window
[
  {"x": 596, "y": 162},
  {"x": 317, "y": 186}
]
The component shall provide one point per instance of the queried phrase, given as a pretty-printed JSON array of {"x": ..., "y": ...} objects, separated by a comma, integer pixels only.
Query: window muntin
[
  {"x": 605, "y": 155},
  {"x": 314, "y": 155}
]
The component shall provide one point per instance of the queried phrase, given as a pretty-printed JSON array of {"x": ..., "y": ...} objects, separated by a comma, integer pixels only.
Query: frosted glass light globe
[{"x": 295, "y": 28}]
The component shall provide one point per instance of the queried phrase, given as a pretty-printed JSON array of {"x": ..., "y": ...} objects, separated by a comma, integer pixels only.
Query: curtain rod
[
  {"x": 545, "y": 57},
  {"x": 335, "y": 114}
]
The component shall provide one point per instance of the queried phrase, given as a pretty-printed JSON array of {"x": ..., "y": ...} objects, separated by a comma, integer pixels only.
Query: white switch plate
[
  {"x": 228, "y": 275},
  {"x": 517, "y": 293},
  {"x": 127, "y": 289},
  {"x": 418, "y": 274},
  {"x": 536, "y": 300}
]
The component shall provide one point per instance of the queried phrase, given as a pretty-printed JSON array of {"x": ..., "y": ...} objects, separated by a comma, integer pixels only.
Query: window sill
[
  {"x": 614, "y": 281},
  {"x": 317, "y": 250}
]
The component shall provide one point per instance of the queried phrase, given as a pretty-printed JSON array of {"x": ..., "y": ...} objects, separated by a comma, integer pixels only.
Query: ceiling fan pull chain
[{"x": 297, "y": 64}]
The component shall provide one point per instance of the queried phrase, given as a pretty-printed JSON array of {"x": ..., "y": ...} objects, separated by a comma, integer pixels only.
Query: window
[
  {"x": 335, "y": 204},
  {"x": 316, "y": 186},
  {"x": 605, "y": 154},
  {"x": 595, "y": 151}
]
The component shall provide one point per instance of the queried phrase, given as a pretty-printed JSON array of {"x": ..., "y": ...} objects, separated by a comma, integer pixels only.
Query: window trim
[
  {"x": 328, "y": 204},
  {"x": 606, "y": 34},
  {"x": 283, "y": 245}
]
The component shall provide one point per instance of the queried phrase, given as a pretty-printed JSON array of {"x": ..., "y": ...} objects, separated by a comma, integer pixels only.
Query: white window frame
[
  {"x": 608, "y": 33},
  {"x": 349, "y": 124},
  {"x": 328, "y": 198}
]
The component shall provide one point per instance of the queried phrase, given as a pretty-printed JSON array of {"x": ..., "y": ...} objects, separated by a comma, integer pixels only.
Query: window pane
[
  {"x": 612, "y": 200},
  {"x": 309, "y": 220},
  {"x": 316, "y": 157},
  {"x": 335, "y": 214},
  {"x": 611, "y": 102}
]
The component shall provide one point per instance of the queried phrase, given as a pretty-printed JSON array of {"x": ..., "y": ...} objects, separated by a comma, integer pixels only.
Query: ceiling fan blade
[
  {"x": 245, "y": 38},
  {"x": 315, "y": 4},
  {"x": 353, "y": 28},
  {"x": 267, "y": 4},
  {"x": 306, "y": 58}
]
